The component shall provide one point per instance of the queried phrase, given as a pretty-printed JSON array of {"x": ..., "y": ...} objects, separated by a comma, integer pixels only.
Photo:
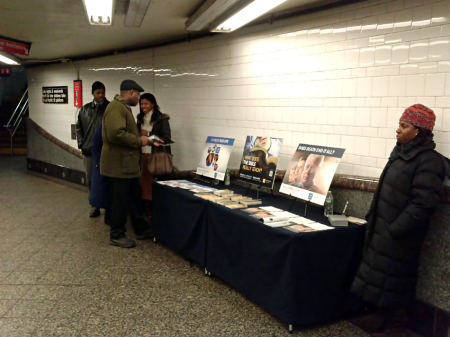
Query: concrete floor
[{"x": 60, "y": 277}]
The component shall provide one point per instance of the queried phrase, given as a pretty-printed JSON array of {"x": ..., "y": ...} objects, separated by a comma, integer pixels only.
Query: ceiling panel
[{"x": 59, "y": 29}]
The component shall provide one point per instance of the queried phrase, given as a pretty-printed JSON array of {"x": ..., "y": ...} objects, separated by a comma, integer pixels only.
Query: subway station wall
[{"x": 339, "y": 77}]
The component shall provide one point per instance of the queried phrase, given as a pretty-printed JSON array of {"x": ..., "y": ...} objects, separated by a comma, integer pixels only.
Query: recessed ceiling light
[
  {"x": 99, "y": 12},
  {"x": 249, "y": 13}
]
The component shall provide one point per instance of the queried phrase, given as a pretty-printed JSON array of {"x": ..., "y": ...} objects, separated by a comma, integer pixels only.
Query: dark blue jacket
[{"x": 99, "y": 195}]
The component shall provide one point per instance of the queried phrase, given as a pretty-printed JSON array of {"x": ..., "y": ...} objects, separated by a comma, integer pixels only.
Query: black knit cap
[
  {"x": 97, "y": 85},
  {"x": 130, "y": 85}
]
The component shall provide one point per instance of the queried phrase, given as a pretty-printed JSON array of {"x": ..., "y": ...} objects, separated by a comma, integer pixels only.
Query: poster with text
[
  {"x": 310, "y": 172},
  {"x": 214, "y": 159},
  {"x": 260, "y": 159}
]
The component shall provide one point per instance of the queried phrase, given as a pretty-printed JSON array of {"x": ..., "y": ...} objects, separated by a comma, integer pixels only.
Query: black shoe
[
  {"x": 391, "y": 333},
  {"x": 147, "y": 235},
  {"x": 95, "y": 212},
  {"x": 123, "y": 242},
  {"x": 369, "y": 322}
]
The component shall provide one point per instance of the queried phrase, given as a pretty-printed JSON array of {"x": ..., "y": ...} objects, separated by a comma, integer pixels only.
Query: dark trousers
[{"x": 126, "y": 199}]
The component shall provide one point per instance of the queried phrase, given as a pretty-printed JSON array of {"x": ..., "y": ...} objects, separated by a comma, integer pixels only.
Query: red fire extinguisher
[{"x": 78, "y": 93}]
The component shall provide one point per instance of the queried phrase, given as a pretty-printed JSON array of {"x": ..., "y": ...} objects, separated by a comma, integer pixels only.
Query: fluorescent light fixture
[
  {"x": 99, "y": 12},
  {"x": 8, "y": 59},
  {"x": 136, "y": 12},
  {"x": 210, "y": 11},
  {"x": 249, "y": 13}
]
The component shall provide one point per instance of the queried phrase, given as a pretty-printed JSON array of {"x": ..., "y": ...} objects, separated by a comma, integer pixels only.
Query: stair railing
[{"x": 16, "y": 118}]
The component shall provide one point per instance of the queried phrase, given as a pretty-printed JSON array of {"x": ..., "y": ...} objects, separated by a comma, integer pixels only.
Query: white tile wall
[{"x": 340, "y": 77}]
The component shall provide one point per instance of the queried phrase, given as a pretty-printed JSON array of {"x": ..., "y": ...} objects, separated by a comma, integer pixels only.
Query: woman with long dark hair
[
  {"x": 151, "y": 121},
  {"x": 408, "y": 192}
]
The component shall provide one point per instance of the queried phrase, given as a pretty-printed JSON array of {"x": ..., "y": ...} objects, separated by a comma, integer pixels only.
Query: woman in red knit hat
[{"x": 408, "y": 192}]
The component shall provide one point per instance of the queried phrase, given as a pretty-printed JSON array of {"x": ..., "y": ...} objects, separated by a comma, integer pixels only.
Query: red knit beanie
[{"x": 420, "y": 116}]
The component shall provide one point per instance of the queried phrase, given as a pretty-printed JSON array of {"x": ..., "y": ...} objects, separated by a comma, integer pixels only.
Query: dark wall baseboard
[{"x": 57, "y": 171}]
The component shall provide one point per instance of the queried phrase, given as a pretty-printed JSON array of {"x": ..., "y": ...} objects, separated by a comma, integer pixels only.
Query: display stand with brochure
[
  {"x": 307, "y": 203},
  {"x": 257, "y": 189},
  {"x": 205, "y": 180},
  {"x": 310, "y": 173},
  {"x": 214, "y": 159},
  {"x": 259, "y": 162}
]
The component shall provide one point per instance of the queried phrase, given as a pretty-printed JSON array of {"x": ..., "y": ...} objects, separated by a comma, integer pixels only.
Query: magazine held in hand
[
  {"x": 260, "y": 159},
  {"x": 310, "y": 172},
  {"x": 214, "y": 159}
]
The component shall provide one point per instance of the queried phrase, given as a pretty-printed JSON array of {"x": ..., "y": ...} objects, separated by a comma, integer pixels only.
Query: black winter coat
[
  {"x": 161, "y": 128},
  {"x": 100, "y": 193},
  {"x": 408, "y": 192},
  {"x": 89, "y": 117}
]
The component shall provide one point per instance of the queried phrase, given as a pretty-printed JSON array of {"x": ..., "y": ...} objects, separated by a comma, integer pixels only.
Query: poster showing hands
[
  {"x": 214, "y": 159},
  {"x": 260, "y": 159},
  {"x": 310, "y": 172}
]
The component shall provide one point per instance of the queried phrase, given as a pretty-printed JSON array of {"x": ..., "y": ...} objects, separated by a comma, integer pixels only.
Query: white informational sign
[
  {"x": 214, "y": 159},
  {"x": 260, "y": 159},
  {"x": 310, "y": 172}
]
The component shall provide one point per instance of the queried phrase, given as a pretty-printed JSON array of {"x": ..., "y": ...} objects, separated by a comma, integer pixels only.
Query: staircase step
[
  {"x": 8, "y": 145},
  {"x": 16, "y": 150}
]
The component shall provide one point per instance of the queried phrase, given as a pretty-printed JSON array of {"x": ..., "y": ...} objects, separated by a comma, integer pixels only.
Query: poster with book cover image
[
  {"x": 310, "y": 172},
  {"x": 260, "y": 159},
  {"x": 214, "y": 158}
]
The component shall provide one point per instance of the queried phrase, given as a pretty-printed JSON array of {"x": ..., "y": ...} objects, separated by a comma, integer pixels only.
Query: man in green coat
[{"x": 120, "y": 162}]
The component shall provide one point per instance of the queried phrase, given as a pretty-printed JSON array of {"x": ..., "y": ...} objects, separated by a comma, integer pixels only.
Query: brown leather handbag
[{"x": 160, "y": 163}]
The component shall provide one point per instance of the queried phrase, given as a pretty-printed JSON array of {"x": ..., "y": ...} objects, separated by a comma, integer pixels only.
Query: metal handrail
[
  {"x": 20, "y": 114},
  {"x": 13, "y": 115},
  {"x": 16, "y": 118},
  {"x": 20, "y": 117}
]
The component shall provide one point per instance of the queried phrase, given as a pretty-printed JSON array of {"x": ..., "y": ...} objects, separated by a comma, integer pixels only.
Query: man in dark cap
[
  {"x": 89, "y": 118},
  {"x": 120, "y": 162}
]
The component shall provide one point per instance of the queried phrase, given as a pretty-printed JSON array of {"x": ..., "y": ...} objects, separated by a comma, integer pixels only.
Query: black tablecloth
[
  {"x": 300, "y": 278},
  {"x": 179, "y": 222}
]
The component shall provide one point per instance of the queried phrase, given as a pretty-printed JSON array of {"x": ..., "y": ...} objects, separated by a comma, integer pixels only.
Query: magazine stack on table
[
  {"x": 275, "y": 217},
  {"x": 187, "y": 185},
  {"x": 228, "y": 198}
]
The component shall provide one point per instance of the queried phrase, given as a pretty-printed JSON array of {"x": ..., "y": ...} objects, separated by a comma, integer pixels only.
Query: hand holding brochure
[{"x": 155, "y": 138}]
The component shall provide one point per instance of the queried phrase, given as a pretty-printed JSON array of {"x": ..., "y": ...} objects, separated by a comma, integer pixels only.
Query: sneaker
[
  {"x": 95, "y": 212},
  {"x": 147, "y": 235},
  {"x": 123, "y": 242}
]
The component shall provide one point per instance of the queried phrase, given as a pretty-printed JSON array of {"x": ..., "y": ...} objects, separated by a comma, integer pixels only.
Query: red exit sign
[{"x": 5, "y": 72}]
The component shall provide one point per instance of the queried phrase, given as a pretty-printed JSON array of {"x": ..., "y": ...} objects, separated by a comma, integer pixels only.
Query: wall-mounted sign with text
[
  {"x": 15, "y": 46},
  {"x": 54, "y": 95}
]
